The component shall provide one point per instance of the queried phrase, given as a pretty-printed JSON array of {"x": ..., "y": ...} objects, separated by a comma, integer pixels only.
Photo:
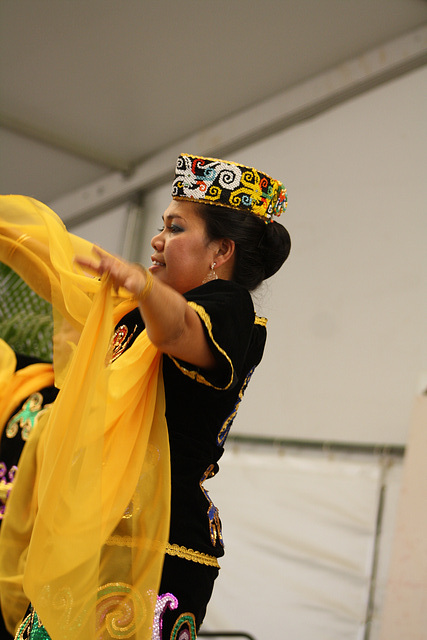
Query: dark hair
[{"x": 261, "y": 248}]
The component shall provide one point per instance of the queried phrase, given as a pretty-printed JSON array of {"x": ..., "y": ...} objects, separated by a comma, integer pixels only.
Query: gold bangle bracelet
[
  {"x": 142, "y": 295},
  {"x": 22, "y": 238}
]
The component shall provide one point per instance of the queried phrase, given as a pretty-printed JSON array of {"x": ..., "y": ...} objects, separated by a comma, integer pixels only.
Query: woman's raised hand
[{"x": 121, "y": 273}]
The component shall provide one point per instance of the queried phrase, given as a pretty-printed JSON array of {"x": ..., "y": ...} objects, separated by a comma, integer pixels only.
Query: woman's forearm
[{"x": 172, "y": 326}]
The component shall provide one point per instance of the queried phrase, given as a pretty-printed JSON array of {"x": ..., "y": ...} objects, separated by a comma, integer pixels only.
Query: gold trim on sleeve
[{"x": 195, "y": 375}]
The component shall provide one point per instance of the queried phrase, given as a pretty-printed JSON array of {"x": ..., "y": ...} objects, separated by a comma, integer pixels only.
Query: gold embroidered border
[
  {"x": 190, "y": 554},
  {"x": 128, "y": 541},
  {"x": 171, "y": 550},
  {"x": 260, "y": 320},
  {"x": 195, "y": 375}
]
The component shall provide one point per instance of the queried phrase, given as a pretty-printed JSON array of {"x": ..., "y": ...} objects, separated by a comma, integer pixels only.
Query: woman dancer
[{"x": 122, "y": 538}]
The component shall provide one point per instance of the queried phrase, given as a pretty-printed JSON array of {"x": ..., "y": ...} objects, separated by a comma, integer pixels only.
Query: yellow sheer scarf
[{"x": 87, "y": 522}]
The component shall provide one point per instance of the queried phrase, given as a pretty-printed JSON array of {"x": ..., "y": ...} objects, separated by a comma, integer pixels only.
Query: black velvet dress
[{"x": 200, "y": 408}]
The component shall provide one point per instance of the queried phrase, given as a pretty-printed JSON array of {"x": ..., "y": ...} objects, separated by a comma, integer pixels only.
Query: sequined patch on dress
[
  {"x": 120, "y": 341},
  {"x": 223, "y": 432},
  {"x": 184, "y": 628},
  {"x": 119, "y": 610},
  {"x": 26, "y": 417},
  {"x": 6, "y": 481},
  {"x": 213, "y": 513},
  {"x": 164, "y": 602},
  {"x": 32, "y": 629}
]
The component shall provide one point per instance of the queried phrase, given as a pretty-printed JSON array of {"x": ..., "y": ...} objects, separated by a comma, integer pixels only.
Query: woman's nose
[{"x": 157, "y": 241}]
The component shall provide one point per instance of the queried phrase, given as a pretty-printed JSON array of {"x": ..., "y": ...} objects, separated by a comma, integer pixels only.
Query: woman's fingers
[
  {"x": 88, "y": 264},
  {"x": 121, "y": 273},
  {"x": 102, "y": 264}
]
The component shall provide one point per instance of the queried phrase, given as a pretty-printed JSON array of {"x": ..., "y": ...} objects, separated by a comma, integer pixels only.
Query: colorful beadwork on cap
[{"x": 227, "y": 184}]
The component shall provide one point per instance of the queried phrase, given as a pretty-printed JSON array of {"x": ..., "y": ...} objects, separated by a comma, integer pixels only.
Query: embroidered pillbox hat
[{"x": 228, "y": 184}]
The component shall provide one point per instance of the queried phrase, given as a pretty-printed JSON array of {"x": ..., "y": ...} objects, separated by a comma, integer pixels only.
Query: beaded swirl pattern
[{"x": 228, "y": 184}]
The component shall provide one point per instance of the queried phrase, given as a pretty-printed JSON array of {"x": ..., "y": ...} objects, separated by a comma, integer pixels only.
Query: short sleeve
[{"x": 227, "y": 313}]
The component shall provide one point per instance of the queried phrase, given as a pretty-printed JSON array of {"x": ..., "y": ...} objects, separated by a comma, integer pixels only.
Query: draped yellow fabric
[
  {"x": 7, "y": 366},
  {"x": 94, "y": 480}
]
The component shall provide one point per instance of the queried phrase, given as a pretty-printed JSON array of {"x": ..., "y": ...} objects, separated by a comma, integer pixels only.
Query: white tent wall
[
  {"x": 107, "y": 230},
  {"x": 302, "y": 555},
  {"x": 345, "y": 357}
]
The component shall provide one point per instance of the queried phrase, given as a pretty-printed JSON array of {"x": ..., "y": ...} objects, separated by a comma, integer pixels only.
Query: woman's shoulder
[{"x": 221, "y": 292}]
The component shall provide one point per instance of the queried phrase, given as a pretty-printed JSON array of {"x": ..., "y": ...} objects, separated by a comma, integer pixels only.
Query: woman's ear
[
  {"x": 224, "y": 258},
  {"x": 225, "y": 252}
]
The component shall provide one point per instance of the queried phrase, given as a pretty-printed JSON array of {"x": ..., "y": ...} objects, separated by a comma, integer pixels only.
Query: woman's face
[{"x": 182, "y": 252}]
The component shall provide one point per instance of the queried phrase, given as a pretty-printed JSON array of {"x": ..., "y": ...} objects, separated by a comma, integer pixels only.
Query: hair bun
[{"x": 275, "y": 245}]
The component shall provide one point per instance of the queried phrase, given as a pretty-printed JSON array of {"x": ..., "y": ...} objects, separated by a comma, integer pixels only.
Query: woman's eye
[{"x": 173, "y": 228}]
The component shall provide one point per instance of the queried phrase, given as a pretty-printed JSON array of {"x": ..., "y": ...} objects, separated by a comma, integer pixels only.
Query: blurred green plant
[{"x": 26, "y": 322}]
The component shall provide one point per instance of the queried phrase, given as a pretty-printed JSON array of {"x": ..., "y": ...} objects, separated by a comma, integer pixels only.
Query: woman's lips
[{"x": 156, "y": 264}]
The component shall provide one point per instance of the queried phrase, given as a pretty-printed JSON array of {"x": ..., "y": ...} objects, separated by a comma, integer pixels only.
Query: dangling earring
[{"x": 211, "y": 274}]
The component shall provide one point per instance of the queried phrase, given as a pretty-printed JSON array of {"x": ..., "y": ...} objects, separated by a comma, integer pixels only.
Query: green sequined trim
[
  {"x": 185, "y": 621},
  {"x": 26, "y": 418},
  {"x": 32, "y": 629}
]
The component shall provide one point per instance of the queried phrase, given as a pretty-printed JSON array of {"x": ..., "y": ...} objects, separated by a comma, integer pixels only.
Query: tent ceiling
[{"x": 105, "y": 84}]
